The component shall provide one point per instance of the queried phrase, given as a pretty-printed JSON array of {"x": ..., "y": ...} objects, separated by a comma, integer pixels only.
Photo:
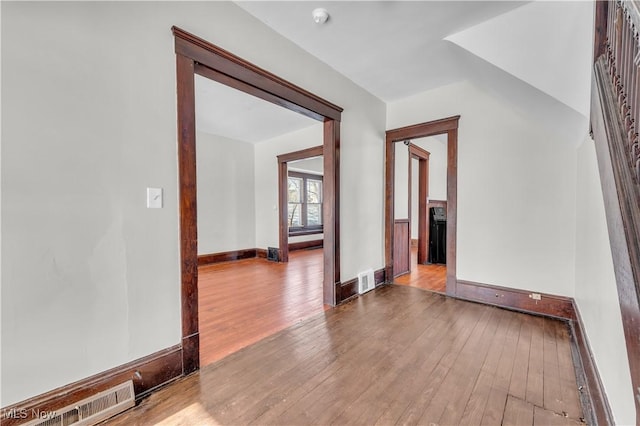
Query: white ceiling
[
  {"x": 393, "y": 49},
  {"x": 536, "y": 54},
  {"x": 241, "y": 116}
]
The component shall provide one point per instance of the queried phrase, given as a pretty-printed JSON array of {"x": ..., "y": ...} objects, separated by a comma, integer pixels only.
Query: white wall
[
  {"x": 547, "y": 44},
  {"x": 516, "y": 189},
  {"x": 401, "y": 188},
  {"x": 313, "y": 165},
  {"x": 596, "y": 293},
  {"x": 226, "y": 194},
  {"x": 89, "y": 115}
]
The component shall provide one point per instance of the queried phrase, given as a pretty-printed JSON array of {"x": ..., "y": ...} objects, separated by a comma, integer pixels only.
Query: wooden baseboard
[
  {"x": 147, "y": 373},
  {"x": 594, "y": 400},
  {"x": 303, "y": 245},
  {"x": 349, "y": 289},
  {"x": 226, "y": 256},
  {"x": 519, "y": 300}
]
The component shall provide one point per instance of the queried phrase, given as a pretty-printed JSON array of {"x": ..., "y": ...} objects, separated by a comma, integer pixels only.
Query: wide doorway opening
[
  {"x": 248, "y": 290},
  {"x": 195, "y": 56},
  {"x": 439, "y": 218},
  {"x": 420, "y": 208}
]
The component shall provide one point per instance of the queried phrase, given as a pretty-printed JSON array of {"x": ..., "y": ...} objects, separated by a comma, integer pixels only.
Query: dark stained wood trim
[
  {"x": 315, "y": 151},
  {"x": 261, "y": 253},
  {"x": 226, "y": 256},
  {"x": 349, "y": 289},
  {"x": 148, "y": 374},
  {"x": 283, "y": 211},
  {"x": 452, "y": 209},
  {"x": 516, "y": 299},
  {"x": 247, "y": 88},
  {"x": 188, "y": 195},
  {"x": 191, "y": 50},
  {"x": 450, "y": 127},
  {"x": 601, "y": 8},
  {"x": 594, "y": 399},
  {"x": 437, "y": 203},
  {"x": 283, "y": 208},
  {"x": 422, "y": 156},
  {"x": 331, "y": 210},
  {"x": 289, "y": 95},
  {"x": 303, "y": 245},
  {"x": 389, "y": 206},
  {"x": 190, "y": 353},
  {"x": 422, "y": 130},
  {"x": 418, "y": 153},
  {"x": 622, "y": 208},
  {"x": 402, "y": 246}
]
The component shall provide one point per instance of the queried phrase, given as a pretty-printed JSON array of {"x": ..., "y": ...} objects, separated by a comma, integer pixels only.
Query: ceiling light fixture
[{"x": 320, "y": 15}]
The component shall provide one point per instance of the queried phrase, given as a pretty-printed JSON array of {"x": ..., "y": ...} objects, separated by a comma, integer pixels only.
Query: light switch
[{"x": 154, "y": 198}]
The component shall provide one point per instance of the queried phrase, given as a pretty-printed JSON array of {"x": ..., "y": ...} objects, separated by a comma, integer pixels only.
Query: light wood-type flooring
[
  {"x": 243, "y": 301},
  {"x": 428, "y": 277},
  {"x": 396, "y": 355}
]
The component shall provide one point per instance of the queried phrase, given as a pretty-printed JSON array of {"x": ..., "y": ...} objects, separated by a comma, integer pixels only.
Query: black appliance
[{"x": 437, "y": 235}]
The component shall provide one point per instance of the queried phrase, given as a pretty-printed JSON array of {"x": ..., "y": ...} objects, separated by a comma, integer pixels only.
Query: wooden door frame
[
  {"x": 283, "y": 199},
  {"x": 448, "y": 126},
  {"x": 422, "y": 155},
  {"x": 197, "y": 56}
]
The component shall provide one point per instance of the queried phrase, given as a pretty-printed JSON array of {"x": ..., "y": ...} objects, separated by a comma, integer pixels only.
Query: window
[{"x": 305, "y": 203}]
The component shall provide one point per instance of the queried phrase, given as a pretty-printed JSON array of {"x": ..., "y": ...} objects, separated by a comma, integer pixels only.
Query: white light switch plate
[{"x": 154, "y": 198}]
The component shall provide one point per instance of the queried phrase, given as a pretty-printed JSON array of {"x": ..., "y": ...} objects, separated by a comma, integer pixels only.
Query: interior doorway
[
  {"x": 397, "y": 233},
  {"x": 424, "y": 189},
  {"x": 197, "y": 56},
  {"x": 286, "y": 216}
]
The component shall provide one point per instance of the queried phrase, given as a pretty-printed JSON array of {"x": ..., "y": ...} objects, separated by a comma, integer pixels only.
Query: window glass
[
  {"x": 295, "y": 216},
  {"x": 295, "y": 190}
]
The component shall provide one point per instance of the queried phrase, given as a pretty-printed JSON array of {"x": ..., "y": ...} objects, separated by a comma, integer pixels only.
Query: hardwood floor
[
  {"x": 396, "y": 355},
  {"x": 244, "y": 301},
  {"x": 428, "y": 277}
]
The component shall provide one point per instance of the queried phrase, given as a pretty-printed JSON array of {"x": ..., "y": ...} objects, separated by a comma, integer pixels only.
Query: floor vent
[
  {"x": 273, "y": 254},
  {"x": 92, "y": 410},
  {"x": 366, "y": 281}
]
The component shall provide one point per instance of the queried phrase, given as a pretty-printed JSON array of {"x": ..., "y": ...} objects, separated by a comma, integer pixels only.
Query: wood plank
[
  {"x": 401, "y": 247},
  {"x": 412, "y": 366},
  {"x": 518, "y": 382},
  {"x": 552, "y": 391},
  {"x": 428, "y": 277},
  {"x": 236, "y": 309},
  {"x": 467, "y": 360},
  {"x": 517, "y": 412},
  {"x": 399, "y": 398},
  {"x": 535, "y": 374},
  {"x": 395, "y": 355},
  {"x": 474, "y": 409},
  {"x": 542, "y": 417},
  {"x": 567, "y": 373}
]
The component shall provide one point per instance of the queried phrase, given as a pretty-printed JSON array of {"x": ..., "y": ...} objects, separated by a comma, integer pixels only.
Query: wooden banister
[{"x": 615, "y": 123}]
